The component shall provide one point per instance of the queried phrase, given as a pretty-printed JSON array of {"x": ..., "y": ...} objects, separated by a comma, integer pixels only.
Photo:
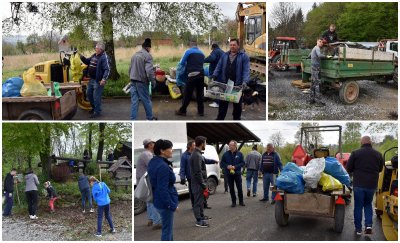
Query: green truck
[{"x": 350, "y": 65}]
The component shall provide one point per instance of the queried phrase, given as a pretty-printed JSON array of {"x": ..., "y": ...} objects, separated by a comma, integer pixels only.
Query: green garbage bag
[{"x": 56, "y": 90}]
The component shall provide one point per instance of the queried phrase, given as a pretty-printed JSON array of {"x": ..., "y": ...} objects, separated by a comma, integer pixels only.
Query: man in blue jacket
[
  {"x": 234, "y": 65},
  {"x": 213, "y": 59},
  {"x": 270, "y": 166},
  {"x": 232, "y": 162},
  {"x": 193, "y": 60},
  {"x": 98, "y": 71}
]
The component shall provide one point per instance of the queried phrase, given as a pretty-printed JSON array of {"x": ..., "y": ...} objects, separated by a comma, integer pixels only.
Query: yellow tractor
[
  {"x": 251, "y": 19},
  {"x": 387, "y": 197},
  {"x": 59, "y": 71}
]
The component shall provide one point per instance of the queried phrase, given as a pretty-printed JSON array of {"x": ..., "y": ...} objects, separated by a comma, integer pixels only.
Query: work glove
[
  {"x": 203, "y": 186},
  {"x": 183, "y": 181},
  {"x": 329, "y": 56},
  {"x": 10, "y": 194}
]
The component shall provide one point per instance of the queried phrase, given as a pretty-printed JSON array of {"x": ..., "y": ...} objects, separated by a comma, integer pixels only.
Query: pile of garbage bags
[
  {"x": 12, "y": 87},
  {"x": 328, "y": 173}
]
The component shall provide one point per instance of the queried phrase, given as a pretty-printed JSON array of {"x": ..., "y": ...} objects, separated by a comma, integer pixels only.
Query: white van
[{"x": 213, "y": 171}]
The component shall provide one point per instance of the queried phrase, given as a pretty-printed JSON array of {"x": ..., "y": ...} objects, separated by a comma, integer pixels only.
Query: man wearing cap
[
  {"x": 193, "y": 60},
  {"x": 153, "y": 216},
  {"x": 98, "y": 72},
  {"x": 365, "y": 164},
  {"x": 141, "y": 73}
]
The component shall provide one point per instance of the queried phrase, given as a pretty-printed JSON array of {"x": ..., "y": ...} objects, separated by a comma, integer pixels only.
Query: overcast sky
[{"x": 288, "y": 129}]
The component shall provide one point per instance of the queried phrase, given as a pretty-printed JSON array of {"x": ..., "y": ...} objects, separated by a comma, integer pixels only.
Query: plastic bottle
[{"x": 229, "y": 86}]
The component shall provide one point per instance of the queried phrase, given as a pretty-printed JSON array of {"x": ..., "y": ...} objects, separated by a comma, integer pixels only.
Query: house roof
[{"x": 121, "y": 161}]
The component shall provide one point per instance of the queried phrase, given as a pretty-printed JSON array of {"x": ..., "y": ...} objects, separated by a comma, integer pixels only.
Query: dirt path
[
  {"x": 69, "y": 224},
  {"x": 375, "y": 102}
]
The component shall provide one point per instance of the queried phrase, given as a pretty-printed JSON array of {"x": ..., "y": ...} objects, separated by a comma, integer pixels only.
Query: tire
[
  {"x": 276, "y": 60},
  {"x": 140, "y": 206},
  {"x": 349, "y": 92},
  {"x": 281, "y": 218},
  {"x": 212, "y": 185},
  {"x": 71, "y": 114},
  {"x": 35, "y": 114},
  {"x": 339, "y": 218},
  {"x": 395, "y": 77}
]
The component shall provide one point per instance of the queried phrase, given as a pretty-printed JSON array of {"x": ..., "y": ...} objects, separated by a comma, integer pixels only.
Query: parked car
[{"x": 213, "y": 172}]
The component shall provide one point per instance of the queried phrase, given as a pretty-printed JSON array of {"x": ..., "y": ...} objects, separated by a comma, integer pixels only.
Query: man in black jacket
[
  {"x": 330, "y": 35},
  {"x": 9, "y": 192},
  {"x": 198, "y": 174},
  {"x": 365, "y": 164}
]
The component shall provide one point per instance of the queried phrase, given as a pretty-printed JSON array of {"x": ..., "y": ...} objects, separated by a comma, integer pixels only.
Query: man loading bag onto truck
[{"x": 316, "y": 55}]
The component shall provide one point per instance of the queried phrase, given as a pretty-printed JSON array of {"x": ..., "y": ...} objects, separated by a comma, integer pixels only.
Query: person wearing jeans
[
  {"x": 365, "y": 164},
  {"x": 252, "y": 163},
  {"x": 84, "y": 188},
  {"x": 141, "y": 74},
  {"x": 98, "y": 72},
  {"x": 100, "y": 193},
  {"x": 9, "y": 192},
  {"x": 162, "y": 179},
  {"x": 31, "y": 192},
  {"x": 270, "y": 166}
]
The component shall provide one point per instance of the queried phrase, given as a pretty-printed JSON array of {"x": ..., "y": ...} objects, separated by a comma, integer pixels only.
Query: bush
[{"x": 91, "y": 168}]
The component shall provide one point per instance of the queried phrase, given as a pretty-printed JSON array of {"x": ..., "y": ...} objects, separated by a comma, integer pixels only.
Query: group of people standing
[
  {"x": 99, "y": 191},
  {"x": 232, "y": 65}
]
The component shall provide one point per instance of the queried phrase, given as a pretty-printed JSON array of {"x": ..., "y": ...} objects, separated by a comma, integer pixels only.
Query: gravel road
[{"x": 286, "y": 102}]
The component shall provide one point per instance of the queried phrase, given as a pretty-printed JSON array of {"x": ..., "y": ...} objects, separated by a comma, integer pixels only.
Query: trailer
[
  {"x": 350, "y": 65},
  {"x": 313, "y": 204},
  {"x": 41, "y": 107}
]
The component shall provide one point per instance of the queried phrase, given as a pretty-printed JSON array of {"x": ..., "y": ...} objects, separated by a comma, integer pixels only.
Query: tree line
[
  {"x": 355, "y": 21},
  {"x": 29, "y": 145}
]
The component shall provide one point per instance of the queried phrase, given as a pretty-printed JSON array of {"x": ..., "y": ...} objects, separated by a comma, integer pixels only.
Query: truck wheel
[
  {"x": 280, "y": 216},
  {"x": 212, "y": 185},
  {"x": 349, "y": 92},
  {"x": 395, "y": 76},
  {"x": 35, "y": 115},
  {"x": 339, "y": 217},
  {"x": 72, "y": 114},
  {"x": 140, "y": 206}
]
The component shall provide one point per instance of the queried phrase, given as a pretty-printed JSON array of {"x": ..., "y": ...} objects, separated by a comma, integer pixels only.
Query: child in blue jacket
[{"x": 100, "y": 193}]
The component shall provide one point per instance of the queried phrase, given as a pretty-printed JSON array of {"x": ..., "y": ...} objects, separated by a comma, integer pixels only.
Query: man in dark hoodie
[
  {"x": 234, "y": 65},
  {"x": 213, "y": 59},
  {"x": 8, "y": 192},
  {"x": 84, "y": 188},
  {"x": 365, "y": 164},
  {"x": 193, "y": 60},
  {"x": 141, "y": 74},
  {"x": 98, "y": 71},
  {"x": 198, "y": 174}
]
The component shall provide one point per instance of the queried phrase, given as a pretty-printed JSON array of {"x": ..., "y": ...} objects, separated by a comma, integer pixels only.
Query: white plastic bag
[
  {"x": 143, "y": 190},
  {"x": 313, "y": 172}
]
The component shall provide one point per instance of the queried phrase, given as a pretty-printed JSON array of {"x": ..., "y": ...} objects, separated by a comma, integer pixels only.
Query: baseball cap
[{"x": 147, "y": 141}]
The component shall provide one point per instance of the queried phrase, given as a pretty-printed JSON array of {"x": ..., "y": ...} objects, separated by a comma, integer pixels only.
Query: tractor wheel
[
  {"x": 395, "y": 76},
  {"x": 35, "y": 115},
  {"x": 72, "y": 114},
  {"x": 339, "y": 218},
  {"x": 276, "y": 60},
  {"x": 281, "y": 218},
  {"x": 349, "y": 92}
]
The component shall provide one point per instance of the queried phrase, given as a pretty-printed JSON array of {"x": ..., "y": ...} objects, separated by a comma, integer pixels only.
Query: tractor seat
[{"x": 322, "y": 152}]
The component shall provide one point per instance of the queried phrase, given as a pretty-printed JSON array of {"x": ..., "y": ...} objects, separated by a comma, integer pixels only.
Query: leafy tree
[
  {"x": 369, "y": 21},
  {"x": 352, "y": 133},
  {"x": 277, "y": 139},
  {"x": 106, "y": 19}
]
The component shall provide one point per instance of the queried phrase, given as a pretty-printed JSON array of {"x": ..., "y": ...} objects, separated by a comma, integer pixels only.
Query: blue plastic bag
[
  {"x": 290, "y": 166},
  {"x": 12, "y": 87},
  {"x": 206, "y": 71},
  {"x": 290, "y": 182},
  {"x": 181, "y": 76},
  {"x": 334, "y": 168}
]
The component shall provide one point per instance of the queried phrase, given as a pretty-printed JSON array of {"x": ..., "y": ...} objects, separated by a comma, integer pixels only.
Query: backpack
[{"x": 143, "y": 189}]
